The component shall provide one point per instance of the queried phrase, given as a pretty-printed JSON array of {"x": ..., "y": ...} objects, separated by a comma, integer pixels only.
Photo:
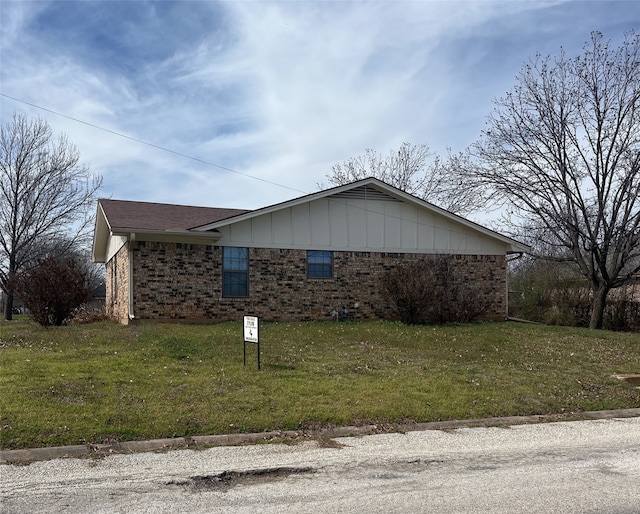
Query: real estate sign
[
  {"x": 251, "y": 329},
  {"x": 251, "y": 325}
]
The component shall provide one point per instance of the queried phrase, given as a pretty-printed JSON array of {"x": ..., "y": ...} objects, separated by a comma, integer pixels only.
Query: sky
[{"x": 247, "y": 104}]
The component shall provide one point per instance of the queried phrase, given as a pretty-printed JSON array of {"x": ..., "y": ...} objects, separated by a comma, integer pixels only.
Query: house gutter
[
  {"x": 169, "y": 235},
  {"x": 518, "y": 255}
]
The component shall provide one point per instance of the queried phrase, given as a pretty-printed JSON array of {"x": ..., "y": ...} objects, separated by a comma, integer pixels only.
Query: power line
[
  {"x": 157, "y": 146},
  {"x": 365, "y": 209},
  {"x": 119, "y": 134}
]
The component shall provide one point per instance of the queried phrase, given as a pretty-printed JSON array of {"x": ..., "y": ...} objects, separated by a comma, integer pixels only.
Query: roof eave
[
  {"x": 517, "y": 247},
  {"x": 100, "y": 236},
  {"x": 168, "y": 236}
]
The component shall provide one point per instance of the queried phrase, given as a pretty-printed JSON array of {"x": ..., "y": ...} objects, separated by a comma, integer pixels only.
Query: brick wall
[
  {"x": 183, "y": 281},
  {"x": 117, "y": 284}
]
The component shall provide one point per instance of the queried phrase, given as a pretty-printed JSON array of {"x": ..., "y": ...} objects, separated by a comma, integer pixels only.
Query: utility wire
[
  {"x": 119, "y": 134},
  {"x": 365, "y": 209},
  {"x": 154, "y": 146}
]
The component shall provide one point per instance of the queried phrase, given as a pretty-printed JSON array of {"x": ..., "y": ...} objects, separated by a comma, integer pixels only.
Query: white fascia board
[
  {"x": 101, "y": 235},
  {"x": 168, "y": 236}
]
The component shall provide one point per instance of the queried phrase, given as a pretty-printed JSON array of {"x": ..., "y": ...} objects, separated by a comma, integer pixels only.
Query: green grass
[{"x": 91, "y": 383}]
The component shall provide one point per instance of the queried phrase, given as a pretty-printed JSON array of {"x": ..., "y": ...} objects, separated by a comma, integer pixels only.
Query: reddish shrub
[{"x": 53, "y": 290}]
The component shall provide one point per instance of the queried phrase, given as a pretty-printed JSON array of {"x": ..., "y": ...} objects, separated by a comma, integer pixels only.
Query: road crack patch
[{"x": 228, "y": 479}]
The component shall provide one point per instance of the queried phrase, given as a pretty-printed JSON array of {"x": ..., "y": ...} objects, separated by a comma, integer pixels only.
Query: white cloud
[{"x": 277, "y": 90}]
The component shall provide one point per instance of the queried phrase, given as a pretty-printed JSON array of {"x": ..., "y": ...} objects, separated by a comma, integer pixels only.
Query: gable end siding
[{"x": 352, "y": 224}]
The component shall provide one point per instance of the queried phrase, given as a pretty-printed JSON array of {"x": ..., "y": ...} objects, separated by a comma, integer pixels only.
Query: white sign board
[{"x": 251, "y": 329}]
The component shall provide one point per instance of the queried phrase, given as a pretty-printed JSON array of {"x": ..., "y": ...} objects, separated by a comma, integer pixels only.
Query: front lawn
[{"x": 105, "y": 382}]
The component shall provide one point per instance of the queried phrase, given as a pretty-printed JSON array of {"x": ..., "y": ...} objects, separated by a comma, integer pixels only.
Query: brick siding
[
  {"x": 184, "y": 281},
  {"x": 117, "y": 286}
]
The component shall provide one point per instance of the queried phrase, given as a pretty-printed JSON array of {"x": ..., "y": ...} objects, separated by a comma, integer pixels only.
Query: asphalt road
[{"x": 569, "y": 467}]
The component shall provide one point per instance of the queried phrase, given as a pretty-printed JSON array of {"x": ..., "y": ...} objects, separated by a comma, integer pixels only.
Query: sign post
[{"x": 251, "y": 325}]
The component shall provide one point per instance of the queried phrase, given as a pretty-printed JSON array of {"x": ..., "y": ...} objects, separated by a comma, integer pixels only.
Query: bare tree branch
[
  {"x": 562, "y": 149},
  {"x": 45, "y": 196},
  {"x": 417, "y": 171}
]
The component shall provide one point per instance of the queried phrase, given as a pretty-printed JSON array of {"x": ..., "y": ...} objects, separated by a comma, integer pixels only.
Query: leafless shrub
[
  {"x": 53, "y": 290},
  {"x": 86, "y": 315},
  {"x": 431, "y": 290}
]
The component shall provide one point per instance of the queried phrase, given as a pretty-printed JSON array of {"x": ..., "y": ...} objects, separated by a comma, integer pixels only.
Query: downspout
[{"x": 132, "y": 240}]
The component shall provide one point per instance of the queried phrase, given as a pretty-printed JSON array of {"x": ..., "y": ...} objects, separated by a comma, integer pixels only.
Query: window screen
[
  {"x": 235, "y": 271},
  {"x": 319, "y": 264}
]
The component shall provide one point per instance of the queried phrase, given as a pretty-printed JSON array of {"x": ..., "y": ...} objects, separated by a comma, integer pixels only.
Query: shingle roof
[{"x": 158, "y": 216}]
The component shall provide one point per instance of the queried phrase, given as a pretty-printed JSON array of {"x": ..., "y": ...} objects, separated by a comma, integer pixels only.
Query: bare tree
[
  {"x": 67, "y": 249},
  {"x": 562, "y": 150},
  {"x": 45, "y": 195},
  {"x": 417, "y": 171}
]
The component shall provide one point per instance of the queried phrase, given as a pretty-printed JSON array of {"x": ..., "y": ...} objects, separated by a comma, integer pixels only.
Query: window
[
  {"x": 114, "y": 280},
  {"x": 319, "y": 264},
  {"x": 235, "y": 271}
]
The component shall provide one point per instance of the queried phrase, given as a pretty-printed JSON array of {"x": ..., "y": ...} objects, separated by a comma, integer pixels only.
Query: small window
[
  {"x": 114, "y": 280},
  {"x": 235, "y": 271},
  {"x": 319, "y": 264}
]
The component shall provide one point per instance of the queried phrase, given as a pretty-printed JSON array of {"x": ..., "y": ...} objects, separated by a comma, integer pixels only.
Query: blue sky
[{"x": 278, "y": 92}]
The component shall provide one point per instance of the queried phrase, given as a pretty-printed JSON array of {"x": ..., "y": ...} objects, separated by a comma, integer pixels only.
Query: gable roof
[
  {"x": 156, "y": 220},
  {"x": 123, "y": 214},
  {"x": 165, "y": 221}
]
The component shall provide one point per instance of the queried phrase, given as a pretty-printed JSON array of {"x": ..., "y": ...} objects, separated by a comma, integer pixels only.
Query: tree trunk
[
  {"x": 8, "y": 306},
  {"x": 597, "y": 307},
  {"x": 9, "y": 288}
]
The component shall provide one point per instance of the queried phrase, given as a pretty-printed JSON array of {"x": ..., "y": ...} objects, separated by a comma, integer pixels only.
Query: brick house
[{"x": 298, "y": 260}]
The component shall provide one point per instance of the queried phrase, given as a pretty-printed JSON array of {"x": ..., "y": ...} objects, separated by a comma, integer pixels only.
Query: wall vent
[{"x": 366, "y": 193}]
